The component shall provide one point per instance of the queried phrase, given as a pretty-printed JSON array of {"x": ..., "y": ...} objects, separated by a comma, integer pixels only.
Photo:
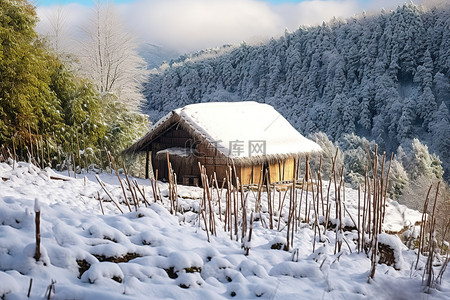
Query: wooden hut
[{"x": 252, "y": 137}]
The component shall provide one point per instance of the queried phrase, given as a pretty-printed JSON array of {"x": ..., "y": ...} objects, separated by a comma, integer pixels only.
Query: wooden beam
[{"x": 147, "y": 157}]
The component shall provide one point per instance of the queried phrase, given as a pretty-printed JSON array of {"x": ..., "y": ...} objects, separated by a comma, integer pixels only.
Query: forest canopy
[{"x": 385, "y": 77}]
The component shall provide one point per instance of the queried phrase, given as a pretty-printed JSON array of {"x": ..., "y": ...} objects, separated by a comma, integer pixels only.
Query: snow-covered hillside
[
  {"x": 384, "y": 77},
  {"x": 152, "y": 254}
]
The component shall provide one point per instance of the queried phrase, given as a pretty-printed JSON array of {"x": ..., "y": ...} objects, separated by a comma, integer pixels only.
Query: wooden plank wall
[
  {"x": 172, "y": 138},
  {"x": 211, "y": 158},
  {"x": 213, "y": 161},
  {"x": 279, "y": 171}
]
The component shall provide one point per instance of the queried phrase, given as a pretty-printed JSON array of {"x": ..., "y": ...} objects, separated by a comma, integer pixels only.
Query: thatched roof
[{"x": 246, "y": 132}]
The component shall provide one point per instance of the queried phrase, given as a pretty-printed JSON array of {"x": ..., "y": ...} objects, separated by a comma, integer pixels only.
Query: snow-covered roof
[{"x": 239, "y": 130}]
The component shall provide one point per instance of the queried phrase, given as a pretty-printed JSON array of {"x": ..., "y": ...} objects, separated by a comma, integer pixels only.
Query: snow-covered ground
[{"x": 152, "y": 254}]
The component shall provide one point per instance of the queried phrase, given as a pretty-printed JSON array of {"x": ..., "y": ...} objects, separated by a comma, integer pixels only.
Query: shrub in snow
[
  {"x": 390, "y": 248},
  {"x": 223, "y": 270},
  {"x": 278, "y": 243},
  {"x": 101, "y": 270},
  {"x": 151, "y": 238},
  {"x": 185, "y": 261},
  {"x": 181, "y": 262},
  {"x": 216, "y": 263},
  {"x": 251, "y": 268},
  {"x": 189, "y": 280}
]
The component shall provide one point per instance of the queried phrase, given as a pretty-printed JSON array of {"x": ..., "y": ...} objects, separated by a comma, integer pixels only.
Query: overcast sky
[{"x": 190, "y": 25}]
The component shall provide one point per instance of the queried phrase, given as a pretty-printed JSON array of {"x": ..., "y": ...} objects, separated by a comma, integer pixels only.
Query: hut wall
[
  {"x": 174, "y": 137},
  {"x": 211, "y": 158},
  {"x": 182, "y": 166},
  {"x": 281, "y": 170},
  {"x": 251, "y": 174},
  {"x": 213, "y": 161}
]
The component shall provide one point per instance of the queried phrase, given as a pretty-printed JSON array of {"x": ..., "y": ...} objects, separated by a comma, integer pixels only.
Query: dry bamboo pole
[
  {"x": 359, "y": 219},
  {"x": 48, "y": 154},
  {"x": 244, "y": 210},
  {"x": 306, "y": 198},
  {"x": 74, "y": 166},
  {"x": 381, "y": 195},
  {"x": 319, "y": 178},
  {"x": 29, "y": 287},
  {"x": 226, "y": 202},
  {"x": 296, "y": 215},
  {"x": 289, "y": 221},
  {"x": 260, "y": 185},
  {"x": 369, "y": 208},
  {"x": 31, "y": 142},
  {"x": 294, "y": 201},
  {"x": 78, "y": 150},
  {"x": 228, "y": 212},
  {"x": 301, "y": 197},
  {"x": 292, "y": 209},
  {"x": 130, "y": 187},
  {"x": 107, "y": 192},
  {"x": 269, "y": 200},
  {"x": 113, "y": 166},
  {"x": 364, "y": 212},
  {"x": 386, "y": 188},
  {"x": 317, "y": 216},
  {"x": 84, "y": 147},
  {"x": 339, "y": 229},
  {"x": 42, "y": 153},
  {"x": 208, "y": 198},
  {"x": 67, "y": 160},
  {"x": 313, "y": 202},
  {"x": 37, "y": 219},
  {"x": 205, "y": 222},
  {"x": 236, "y": 212},
  {"x": 153, "y": 183},
  {"x": 431, "y": 242},
  {"x": 247, "y": 249},
  {"x": 37, "y": 159},
  {"x": 376, "y": 211},
  {"x": 445, "y": 233},
  {"x": 218, "y": 196},
  {"x": 279, "y": 209},
  {"x": 230, "y": 205},
  {"x": 282, "y": 205},
  {"x": 142, "y": 192},
  {"x": 100, "y": 201},
  {"x": 316, "y": 225},
  {"x": 72, "y": 152}
]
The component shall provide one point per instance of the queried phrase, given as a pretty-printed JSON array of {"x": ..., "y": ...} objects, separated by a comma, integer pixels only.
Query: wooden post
[{"x": 146, "y": 164}]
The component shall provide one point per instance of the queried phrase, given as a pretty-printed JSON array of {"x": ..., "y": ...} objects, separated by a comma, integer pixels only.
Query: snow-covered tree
[{"x": 109, "y": 57}]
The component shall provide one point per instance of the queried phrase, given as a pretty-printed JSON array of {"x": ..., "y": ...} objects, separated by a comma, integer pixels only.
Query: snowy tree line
[{"x": 385, "y": 77}]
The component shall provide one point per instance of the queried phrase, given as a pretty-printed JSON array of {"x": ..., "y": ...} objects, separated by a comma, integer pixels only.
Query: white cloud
[
  {"x": 189, "y": 25},
  {"x": 195, "y": 24}
]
